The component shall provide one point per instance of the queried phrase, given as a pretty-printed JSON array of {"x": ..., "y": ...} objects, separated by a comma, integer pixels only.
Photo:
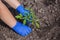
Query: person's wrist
[
  {"x": 16, "y": 25},
  {"x": 17, "y": 5},
  {"x": 20, "y": 8}
]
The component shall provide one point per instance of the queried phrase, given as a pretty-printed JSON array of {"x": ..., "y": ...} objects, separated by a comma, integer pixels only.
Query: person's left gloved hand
[{"x": 22, "y": 10}]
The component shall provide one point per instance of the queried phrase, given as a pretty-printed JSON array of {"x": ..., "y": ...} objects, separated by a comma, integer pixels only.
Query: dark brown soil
[{"x": 48, "y": 11}]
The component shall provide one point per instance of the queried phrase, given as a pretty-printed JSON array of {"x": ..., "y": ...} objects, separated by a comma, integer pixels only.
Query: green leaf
[
  {"x": 19, "y": 16},
  {"x": 27, "y": 8},
  {"x": 33, "y": 23},
  {"x": 37, "y": 25},
  {"x": 37, "y": 20},
  {"x": 31, "y": 9},
  {"x": 34, "y": 20},
  {"x": 24, "y": 22}
]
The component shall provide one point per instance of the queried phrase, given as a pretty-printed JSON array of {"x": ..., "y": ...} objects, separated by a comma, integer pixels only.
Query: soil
[{"x": 48, "y": 11}]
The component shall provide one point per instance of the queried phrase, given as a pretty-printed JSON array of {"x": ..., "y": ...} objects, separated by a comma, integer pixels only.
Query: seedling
[{"x": 30, "y": 18}]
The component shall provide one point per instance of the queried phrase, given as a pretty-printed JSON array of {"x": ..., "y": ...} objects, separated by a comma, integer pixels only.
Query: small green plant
[{"x": 32, "y": 15}]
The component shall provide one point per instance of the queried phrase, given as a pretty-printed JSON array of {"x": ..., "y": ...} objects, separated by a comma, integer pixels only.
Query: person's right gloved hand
[{"x": 21, "y": 29}]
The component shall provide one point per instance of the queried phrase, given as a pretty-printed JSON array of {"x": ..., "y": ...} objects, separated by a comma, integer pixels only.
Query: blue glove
[
  {"x": 22, "y": 10},
  {"x": 21, "y": 29}
]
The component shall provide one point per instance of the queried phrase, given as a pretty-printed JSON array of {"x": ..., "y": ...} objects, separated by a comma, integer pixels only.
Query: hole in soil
[
  {"x": 49, "y": 2},
  {"x": 58, "y": 37},
  {"x": 58, "y": 21}
]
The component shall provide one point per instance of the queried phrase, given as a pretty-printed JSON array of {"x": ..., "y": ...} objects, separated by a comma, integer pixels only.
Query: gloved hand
[
  {"x": 21, "y": 29},
  {"x": 22, "y": 10}
]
